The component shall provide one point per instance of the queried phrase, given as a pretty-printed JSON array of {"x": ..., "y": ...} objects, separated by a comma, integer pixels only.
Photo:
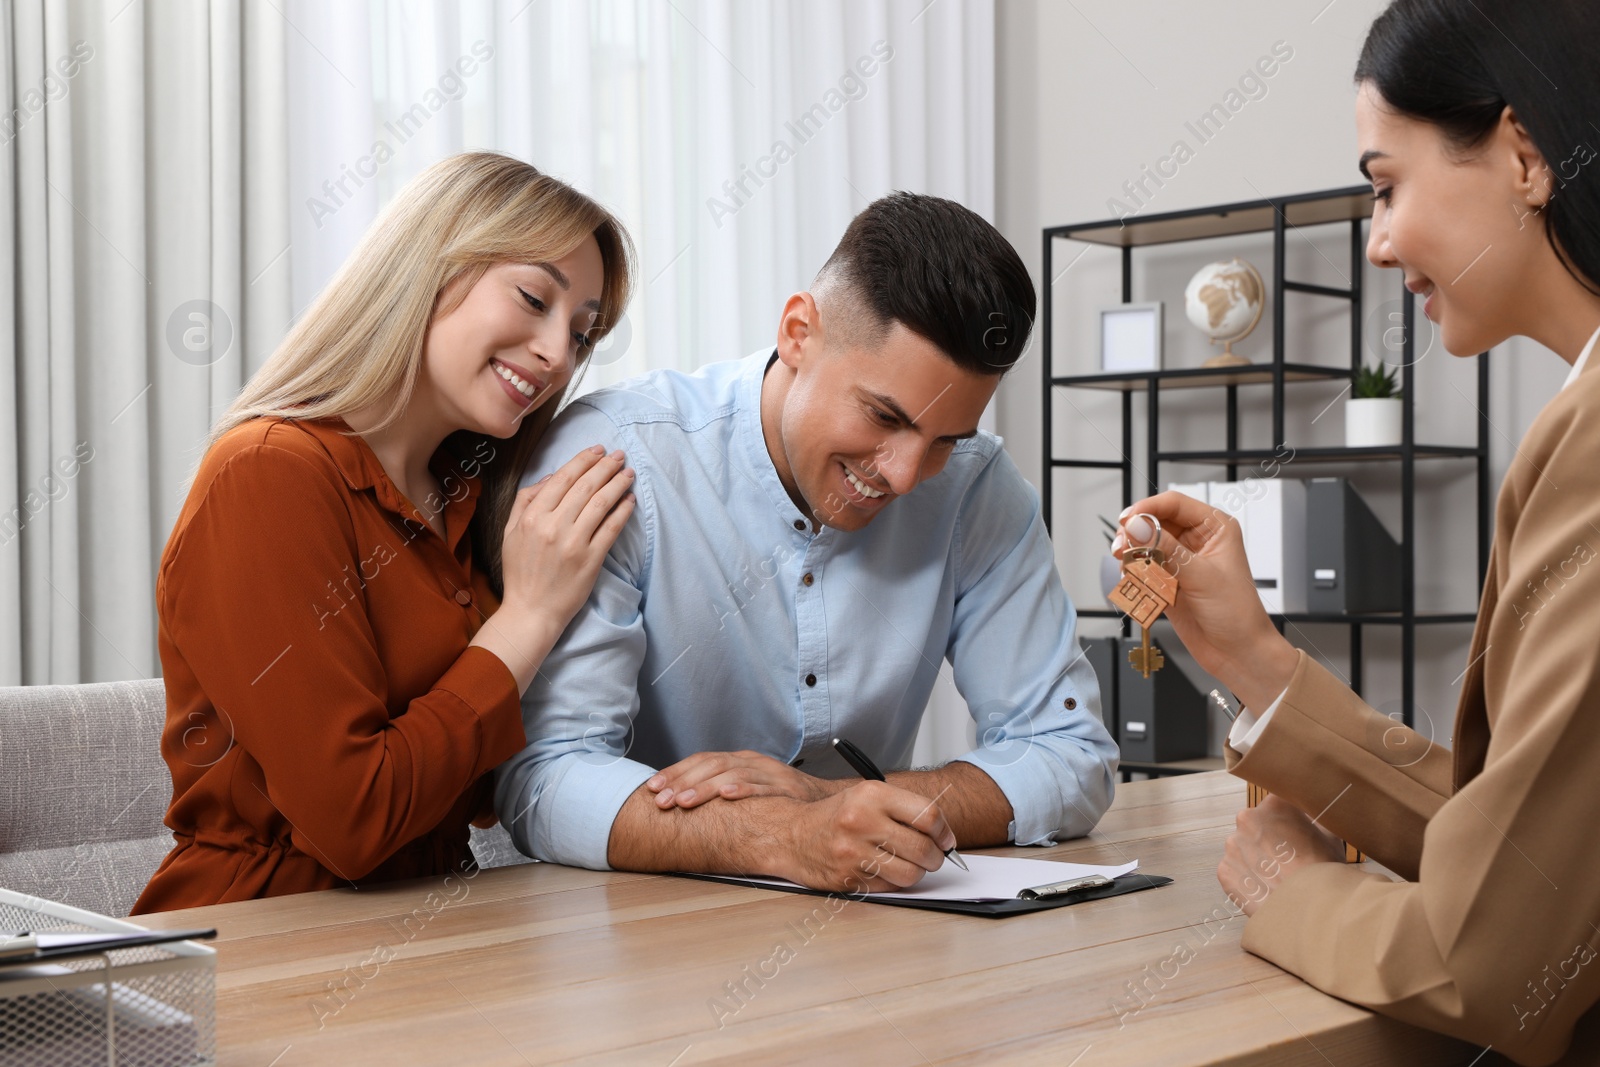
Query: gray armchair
[{"x": 83, "y": 789}]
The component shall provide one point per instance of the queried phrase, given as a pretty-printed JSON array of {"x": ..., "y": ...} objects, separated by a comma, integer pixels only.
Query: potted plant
[{"x": 1374, "y": 415}]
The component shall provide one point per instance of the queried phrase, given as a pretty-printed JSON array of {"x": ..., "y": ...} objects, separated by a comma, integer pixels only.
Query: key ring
[{"x": 1155, "y": 536}]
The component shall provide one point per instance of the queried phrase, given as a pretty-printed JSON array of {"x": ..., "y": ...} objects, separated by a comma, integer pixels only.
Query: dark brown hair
[
  {"x": 1458, "y": 64},
  {"x": 942, "y": 272}
]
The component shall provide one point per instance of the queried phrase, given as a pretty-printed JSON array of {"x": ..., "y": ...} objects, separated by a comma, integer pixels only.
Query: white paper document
[{"x": 991, "y": 878}]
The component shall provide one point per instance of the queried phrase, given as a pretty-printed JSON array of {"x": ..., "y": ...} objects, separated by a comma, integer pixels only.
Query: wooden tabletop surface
[{"x": 537, "y": 964}]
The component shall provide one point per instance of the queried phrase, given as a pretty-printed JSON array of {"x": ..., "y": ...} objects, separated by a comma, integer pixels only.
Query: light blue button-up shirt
[{"x": 721, "y": 622}]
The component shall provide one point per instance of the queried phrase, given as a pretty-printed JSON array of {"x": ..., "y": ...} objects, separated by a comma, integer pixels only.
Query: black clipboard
[{"x": 1132, "y": 882}]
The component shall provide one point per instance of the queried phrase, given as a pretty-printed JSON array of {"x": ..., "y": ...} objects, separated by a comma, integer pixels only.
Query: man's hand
[
  {"x": 734, "y": 776},
  {"x": 870, "y": 837},
  {"x": 972, "y": 804},
  {"x": 1273, "y": 840}
]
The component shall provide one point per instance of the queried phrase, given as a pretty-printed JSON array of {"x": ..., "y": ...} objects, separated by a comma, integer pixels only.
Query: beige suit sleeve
[
  {"x": 1375, "y": 782},
  {"x": 1495, "y": 942}
]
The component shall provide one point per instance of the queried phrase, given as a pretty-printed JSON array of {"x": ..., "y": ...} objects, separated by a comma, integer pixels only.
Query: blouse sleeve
[
  {"x": 304, "y": 691},
  {"x": 1376, "y": 782}
]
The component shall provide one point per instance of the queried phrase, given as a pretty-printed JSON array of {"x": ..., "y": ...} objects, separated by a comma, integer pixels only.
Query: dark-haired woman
[{"x": 1476, "y": 129}]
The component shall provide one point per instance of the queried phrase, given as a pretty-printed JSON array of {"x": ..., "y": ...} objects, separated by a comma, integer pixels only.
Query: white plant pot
[{"x": 1373, "y": 423}]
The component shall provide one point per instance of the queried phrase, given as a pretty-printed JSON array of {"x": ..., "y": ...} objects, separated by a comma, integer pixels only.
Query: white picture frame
[{"x": 1130, "y": 338}]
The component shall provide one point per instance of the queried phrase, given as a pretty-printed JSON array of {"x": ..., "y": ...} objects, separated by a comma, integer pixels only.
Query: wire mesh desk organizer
[{"x": 143, "y": 1006}]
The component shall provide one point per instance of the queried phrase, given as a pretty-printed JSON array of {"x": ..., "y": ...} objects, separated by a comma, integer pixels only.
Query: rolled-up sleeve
[
  {"x": 559, "y": 796},
  {"x": 1018, "y": 664}
]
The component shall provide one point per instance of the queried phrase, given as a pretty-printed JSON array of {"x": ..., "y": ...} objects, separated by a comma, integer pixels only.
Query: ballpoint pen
[
  {"x": 869, "y": 770},
  {"x": 1225, "y": 704}
]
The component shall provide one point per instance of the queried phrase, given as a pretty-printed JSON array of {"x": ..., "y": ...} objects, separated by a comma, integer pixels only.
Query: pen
[
  {"x": 869, "y": 770},
  {"x": 1225, "y": 704}
]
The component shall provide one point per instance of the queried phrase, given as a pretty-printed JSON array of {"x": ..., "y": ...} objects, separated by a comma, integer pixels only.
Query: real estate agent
[{"x": 1475, "y": 129}]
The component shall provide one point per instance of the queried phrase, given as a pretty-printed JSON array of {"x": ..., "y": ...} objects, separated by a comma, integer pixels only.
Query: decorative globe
[{"x": 1224, "y": 301}]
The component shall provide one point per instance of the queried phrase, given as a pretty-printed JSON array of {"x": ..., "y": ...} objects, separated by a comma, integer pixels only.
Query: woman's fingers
[
  {"x": 611, "y": 528},
  {"x": 560, "y": 481},
  {"x": 550, "y": 556},
  {"x": 688, "y": 772},
  {"x": 1190, "y": 521},
  {"x": 1176, "y": 511},
  {"x": 1137, "y": 532},
  {"x": 1140, "y": 529},
  {"x": 524, "y": 497},
  {"x": 1187, "y": 525},
  {"x": 578, "y": 495},
  {"x": 604, "y": 499}
]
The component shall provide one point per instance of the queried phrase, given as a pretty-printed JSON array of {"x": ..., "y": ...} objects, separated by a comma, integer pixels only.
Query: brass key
[
  {"x": 1145, "y": 592},
  {"x": 1146, "y": 659}
]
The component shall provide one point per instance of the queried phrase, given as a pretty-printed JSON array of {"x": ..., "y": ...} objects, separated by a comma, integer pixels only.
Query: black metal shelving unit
[{"x": 1351, "y": 206}]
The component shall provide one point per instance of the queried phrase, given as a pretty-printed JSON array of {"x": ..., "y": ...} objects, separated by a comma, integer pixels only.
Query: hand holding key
[
  {"x": 1218, "y": 617},
  {"x": 1147, "y": 590}
]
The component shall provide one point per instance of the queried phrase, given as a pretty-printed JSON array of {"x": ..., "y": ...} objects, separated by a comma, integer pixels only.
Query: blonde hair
[{"x": 361, "y": 342}]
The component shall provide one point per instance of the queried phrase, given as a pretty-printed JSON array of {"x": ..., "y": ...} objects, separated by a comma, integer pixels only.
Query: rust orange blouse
[{"x": 327, "y": 723}]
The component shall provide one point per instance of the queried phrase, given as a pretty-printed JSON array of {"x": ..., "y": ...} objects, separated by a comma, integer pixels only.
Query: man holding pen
[{"x": 773, "y": 591}]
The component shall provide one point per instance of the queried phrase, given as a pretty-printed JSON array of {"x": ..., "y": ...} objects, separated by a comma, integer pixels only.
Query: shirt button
[
  {"x": 463, "y": 597},
  {"x": 799, "y": 524},
  {"x": 1070, "y": 703},
  {"x": 811, "y": 679},
  {"x": 806, "y": 579}
]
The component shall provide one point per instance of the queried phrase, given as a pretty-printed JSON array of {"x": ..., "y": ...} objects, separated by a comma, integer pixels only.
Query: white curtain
[
  {"x": 145, "y": 196},
  {"x": 233, "y": 156},
  {"x": 671, "y": 112}
]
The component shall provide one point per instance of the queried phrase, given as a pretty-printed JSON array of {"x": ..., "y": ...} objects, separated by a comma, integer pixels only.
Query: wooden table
[
  {"x": 1128, "y": 768},
  {"x": 539, "y": 964}
]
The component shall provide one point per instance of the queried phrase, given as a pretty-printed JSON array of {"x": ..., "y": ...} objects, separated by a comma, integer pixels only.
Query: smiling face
[
  {"x": 513, "y": 341},
  {"x": 851, "y": 425},
  {"x": 1466, "y": 228}
]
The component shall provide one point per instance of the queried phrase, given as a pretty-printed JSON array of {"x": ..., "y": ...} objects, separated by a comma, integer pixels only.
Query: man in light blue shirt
[{"x": 773, "y": 591}]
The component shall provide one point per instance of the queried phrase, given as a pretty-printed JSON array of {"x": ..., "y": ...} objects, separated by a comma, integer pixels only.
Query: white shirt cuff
[{"x": 1247, "y": 728}]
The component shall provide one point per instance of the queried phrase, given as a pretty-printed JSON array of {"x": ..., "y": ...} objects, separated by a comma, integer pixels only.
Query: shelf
[
  {"x": 1317, "y": 455},
  {"x": 1162, "y": 770},
  {"x": 1090, "y": 464},
  {"x": 1202, "y": 377},
  {"x": 1276, "y": 222},
  {"x": 1284, "y": 456},
  {"x": 1373, "y": 618},
  {"x": 1229, "y": 220},
  {"x": 1383, "y": 618}
]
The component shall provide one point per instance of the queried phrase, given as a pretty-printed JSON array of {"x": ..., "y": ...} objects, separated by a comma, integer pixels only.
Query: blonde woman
[{"x": 355, "y": 594}]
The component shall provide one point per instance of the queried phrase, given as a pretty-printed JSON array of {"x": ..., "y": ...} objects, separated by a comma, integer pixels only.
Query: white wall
[{"x": 1092, "y": 91}]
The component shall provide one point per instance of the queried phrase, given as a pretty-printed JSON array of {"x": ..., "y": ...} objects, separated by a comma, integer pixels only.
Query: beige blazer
[{"x": 1494, "y": 935}]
